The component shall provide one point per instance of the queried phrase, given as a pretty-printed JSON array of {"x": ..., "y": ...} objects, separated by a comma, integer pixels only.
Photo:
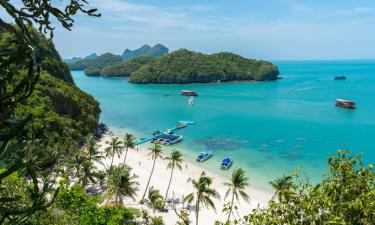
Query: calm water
[{"x": 268, "y": 128}]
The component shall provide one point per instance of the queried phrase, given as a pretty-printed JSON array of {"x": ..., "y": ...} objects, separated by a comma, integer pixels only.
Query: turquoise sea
[{"x": 268, "y": 128}]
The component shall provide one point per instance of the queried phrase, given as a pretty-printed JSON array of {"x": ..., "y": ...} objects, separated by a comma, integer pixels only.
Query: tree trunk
[
  {"x": 231, "y": 207},
  {"x": 196, "y": 211},
  {"x": 126, "y": 153},
  {"x": 148, "y": 182},
  {"x": 113, "y": 156},
  {"x": 169, "y": 184}
]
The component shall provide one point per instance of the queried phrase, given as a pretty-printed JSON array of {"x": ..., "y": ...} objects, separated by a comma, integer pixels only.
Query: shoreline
[
  {"x": 183, "y": 84},
  {"x": 141, "y": 165}
]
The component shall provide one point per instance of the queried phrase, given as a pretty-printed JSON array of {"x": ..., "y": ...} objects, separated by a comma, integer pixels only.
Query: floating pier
[{"x": 180, "y": 125}]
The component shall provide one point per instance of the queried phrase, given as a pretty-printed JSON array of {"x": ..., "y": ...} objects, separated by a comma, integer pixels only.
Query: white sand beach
[{"x": 142, "y": 164}]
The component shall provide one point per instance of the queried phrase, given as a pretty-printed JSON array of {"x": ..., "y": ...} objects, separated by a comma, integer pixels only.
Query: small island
[{"x": 184, "y": 66}]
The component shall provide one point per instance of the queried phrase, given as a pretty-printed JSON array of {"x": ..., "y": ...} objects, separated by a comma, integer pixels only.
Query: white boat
[{"x": 203, "y": 156}]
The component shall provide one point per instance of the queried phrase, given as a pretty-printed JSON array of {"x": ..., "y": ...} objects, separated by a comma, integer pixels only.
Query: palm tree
[
  {"x": 155, "y": 153},
  {"x": 101, "y": 175},
  {"x": 91, "y": 149},
  {"x": 120, "y": 183},
  {"x": 129, "y": 142},
  {"x": 281, "y": 184},
  {"x": 175, "y": 161},
  {"x": 115, "y": 147},
  {"x": 87, "y": 173},
  {"x": 202, "y": 195},
  {"x": 75, "y": 164},
  {"x": 154, "y": 198},
  {"x": 236, "y": 186},
  {"x": 69, "y": 143}
]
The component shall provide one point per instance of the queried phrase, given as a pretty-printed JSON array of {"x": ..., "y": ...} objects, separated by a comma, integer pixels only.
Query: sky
[{"x": 264, "y": 29}]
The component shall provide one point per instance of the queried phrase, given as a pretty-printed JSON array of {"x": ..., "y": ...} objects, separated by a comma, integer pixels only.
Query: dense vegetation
[
  {"x": 45, "y": 55},
  {"x": 56, "y": 103},
  {"x": 28, "y": 62},
  {"x": 185, "y": 66},
  {"x": 56, "y": 106},
  {"x": 146, "y": 50},
  {"x": 98, "y": 62},
  {"x": 76, "y": 59},
  {"x": 93, "y": 64},
  {"x": 345, "y": 196},
  {"x": 122, "y": 69}
]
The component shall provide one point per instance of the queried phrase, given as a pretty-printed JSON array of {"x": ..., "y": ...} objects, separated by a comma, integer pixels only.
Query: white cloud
[
  {"x": 363, "y": 9},
  {"x": 151, "y": 16},
  {"x": 355, "y": 11},
  {"x": 205, "y": 28},
  {"x": 299, "y": 7}
]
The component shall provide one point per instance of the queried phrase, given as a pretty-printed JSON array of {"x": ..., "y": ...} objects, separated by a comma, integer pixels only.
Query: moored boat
[
  {"x": 340, "y": 77},
  {"x": 181, "y": 125},
  {"x": 345, "y": 103},
  {"x": 167, "y": 138},
  {"x": 189, "y": 93},
  {"x": 226, "y": 163},
  {"x": 203, "y": 156}
]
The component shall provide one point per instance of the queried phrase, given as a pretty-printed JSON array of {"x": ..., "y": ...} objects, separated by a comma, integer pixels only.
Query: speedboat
[
  {"x": 189, "y": 93},
  {"x": 345, "y": 103},
  {"x": 156, "y": 133},
  {"x": 226, "y": 163},
  {"x": 340, "y": 78},
  {"x": 203, "y": 156}
]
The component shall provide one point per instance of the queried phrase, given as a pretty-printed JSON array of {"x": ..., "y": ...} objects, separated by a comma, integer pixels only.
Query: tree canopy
[{"x": 184, "y": 66}]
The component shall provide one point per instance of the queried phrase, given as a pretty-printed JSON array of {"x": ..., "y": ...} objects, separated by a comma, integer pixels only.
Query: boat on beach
[
  {"x": 345, "y": 104},
  {"x": 203, "y": 156},
  {"x": 226, "y": 163},
  {"x": 189, "y": 93}
]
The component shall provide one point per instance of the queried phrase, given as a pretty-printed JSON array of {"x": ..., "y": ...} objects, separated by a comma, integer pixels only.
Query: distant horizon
[
  {"x": 171, "y": 50},
  {"x": 270, "y": 29}
]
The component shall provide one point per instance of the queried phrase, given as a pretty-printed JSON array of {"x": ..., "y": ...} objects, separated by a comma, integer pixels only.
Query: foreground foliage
[
  {"x": 26, "y": 56},
  {"x": 73, "y": 206},
  {"x": 346, "y": 195},
  {"x": 202, "y": 195}
]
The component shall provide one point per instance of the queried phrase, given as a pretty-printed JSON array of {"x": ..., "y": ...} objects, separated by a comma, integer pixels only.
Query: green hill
[
  {"x": 146, "y": 50},
  {"x": 56, "y": 104},
  {"x": 123, "y": 69},
  {"x": 98, "y": 62},
  {"x": 93, "y": 64},
  {"x": 184, "y": 66}
]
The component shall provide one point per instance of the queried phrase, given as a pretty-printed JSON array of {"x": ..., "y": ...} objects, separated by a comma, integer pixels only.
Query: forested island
[{"x": 184, "y": 66}]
